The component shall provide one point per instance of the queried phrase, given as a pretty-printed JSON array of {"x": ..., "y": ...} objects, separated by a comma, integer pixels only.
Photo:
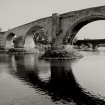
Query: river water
[{"x": 28, "y": 80}]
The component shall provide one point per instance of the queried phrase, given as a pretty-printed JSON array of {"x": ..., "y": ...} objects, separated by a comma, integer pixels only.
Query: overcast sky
[{"x": 17, "y": 12}]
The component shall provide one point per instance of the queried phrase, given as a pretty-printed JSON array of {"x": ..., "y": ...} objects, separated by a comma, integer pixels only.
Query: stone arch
[
  {"x": 34, "y": 36},
  {"x": 9, "y": 40},
  {"x": 74, "y": 29}
]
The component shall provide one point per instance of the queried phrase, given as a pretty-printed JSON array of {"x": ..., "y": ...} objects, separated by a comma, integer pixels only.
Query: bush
[{"x": 60, "y": 54}]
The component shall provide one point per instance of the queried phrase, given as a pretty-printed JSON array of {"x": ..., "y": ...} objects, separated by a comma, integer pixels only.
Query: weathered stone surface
[{"x": 59, "y": 28}]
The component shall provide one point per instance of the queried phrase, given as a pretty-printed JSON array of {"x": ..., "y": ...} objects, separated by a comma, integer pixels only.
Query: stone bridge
[{"x": 57, "y": 29}]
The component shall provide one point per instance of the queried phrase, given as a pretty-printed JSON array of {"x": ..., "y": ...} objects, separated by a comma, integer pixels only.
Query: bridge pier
[
  {"x": 56, "y": 32},
  {"x": 57, "y": 48},
  {"x": 18, "y": 45},
  {"x": 18, "y": 42}
]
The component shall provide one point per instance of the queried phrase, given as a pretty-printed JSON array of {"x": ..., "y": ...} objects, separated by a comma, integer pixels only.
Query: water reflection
[{"x": 60, "y": 83}]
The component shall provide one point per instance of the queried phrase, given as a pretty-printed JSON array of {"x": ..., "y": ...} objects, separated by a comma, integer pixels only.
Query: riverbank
[{"x": 65, "y": 53}]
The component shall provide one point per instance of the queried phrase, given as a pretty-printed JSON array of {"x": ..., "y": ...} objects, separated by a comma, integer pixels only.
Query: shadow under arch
[
  {"x": 74, "y": 29},
  {"x": 62, "y": 84},
  {"x": 9, "y": 40},
  {"x": 33, "y": 29},
  {"x": 36, "y": 35},
  {"x": 29, "y": 37}
]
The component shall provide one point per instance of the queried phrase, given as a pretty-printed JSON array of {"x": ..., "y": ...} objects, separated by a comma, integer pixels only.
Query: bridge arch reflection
[{"x": 61, "y": 83}]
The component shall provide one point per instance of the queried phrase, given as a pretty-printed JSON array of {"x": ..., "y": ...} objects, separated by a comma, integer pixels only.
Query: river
[{"x": 28, "y": 80}]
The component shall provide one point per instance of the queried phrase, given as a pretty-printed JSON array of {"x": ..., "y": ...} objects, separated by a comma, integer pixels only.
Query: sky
[
  {"x": 17, "y": 12},
  {"x": 93, "y": 30}
]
